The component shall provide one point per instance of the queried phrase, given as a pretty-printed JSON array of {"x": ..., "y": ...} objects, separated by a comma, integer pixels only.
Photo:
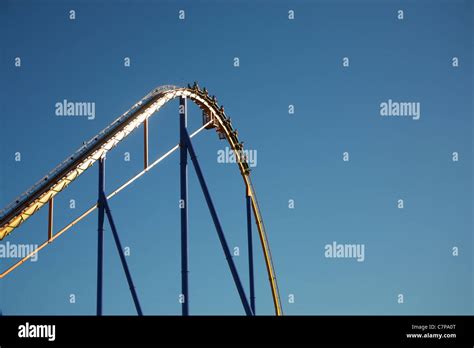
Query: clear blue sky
[{"x": 407, "y": 251}]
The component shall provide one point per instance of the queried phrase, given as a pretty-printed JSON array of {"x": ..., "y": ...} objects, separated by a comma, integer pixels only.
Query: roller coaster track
[{"x": 43, "y": 192}]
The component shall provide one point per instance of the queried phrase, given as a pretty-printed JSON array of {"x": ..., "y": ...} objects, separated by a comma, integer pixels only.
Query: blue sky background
[{"x": 283, "y": 62}]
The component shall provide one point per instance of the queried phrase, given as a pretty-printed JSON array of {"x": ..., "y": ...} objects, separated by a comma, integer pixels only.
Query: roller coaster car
[
  {"x": 195, "y": 86},
  {"x": 202, "y": 93},
  {"x": 214, "y": 102},
  {"x": 205, "y": 92},
  {"x": 228, "y": 123},
  {"x": 247, "y": 169},
  {"x": 220, "y": 134},
  {"x": 239, "y": 148}
]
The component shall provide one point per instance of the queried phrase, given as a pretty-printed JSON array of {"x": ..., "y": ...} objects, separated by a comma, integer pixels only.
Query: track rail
[{"x": 72, "y": 167}]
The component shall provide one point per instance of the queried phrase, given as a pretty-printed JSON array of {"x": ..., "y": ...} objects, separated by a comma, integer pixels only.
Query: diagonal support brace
[
  {"x": 122, "y": 256},
  {"x": 220, "y": 232},
  {"x": 104, "y": 209},
  {"x": 250, "y": 252}
]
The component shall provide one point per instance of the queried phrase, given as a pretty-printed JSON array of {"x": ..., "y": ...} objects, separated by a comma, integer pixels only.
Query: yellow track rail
[{"x": 70, "y": 169}]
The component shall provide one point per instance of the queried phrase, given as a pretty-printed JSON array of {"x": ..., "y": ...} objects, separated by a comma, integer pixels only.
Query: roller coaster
[{"x": 43, "y": 192}]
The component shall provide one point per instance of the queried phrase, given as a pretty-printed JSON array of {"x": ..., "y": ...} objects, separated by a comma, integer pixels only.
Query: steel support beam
[
  {"x": 50, "y": 219},
  {"x": 104, "y": 209},
  {"x": 122, "y": 255},
  {"x": 220, "y": 232},
  {"x": 100, "y": 235},
  {"x": 184, "y": 204},
  {"x": 145, "y": 144},
  {"x": 250, "y": 251}
]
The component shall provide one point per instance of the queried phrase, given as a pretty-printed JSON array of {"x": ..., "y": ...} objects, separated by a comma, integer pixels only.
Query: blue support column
[
  {"x": 100, "y": 234},
  {"x": 1, "y": 292},
  {"x": 250, "y": 251},
  {"x": 184, "y": 204},
  {"x": 220, "y": 232},
  {"x": 103, "y": 208},
  {"x": 122, "y": 255}
]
